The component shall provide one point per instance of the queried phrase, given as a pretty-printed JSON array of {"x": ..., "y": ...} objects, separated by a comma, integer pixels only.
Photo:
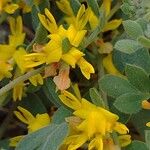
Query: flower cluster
[
  {"x": 91, "y": 123},
  {"x": 11, "y": 54},
  {"x": 64, "y": 43}
]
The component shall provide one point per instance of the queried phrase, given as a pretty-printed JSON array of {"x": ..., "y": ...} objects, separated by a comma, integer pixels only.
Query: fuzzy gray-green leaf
[
  {"x": 133, "y": 29},
  {"x": 127, "y": 46}
]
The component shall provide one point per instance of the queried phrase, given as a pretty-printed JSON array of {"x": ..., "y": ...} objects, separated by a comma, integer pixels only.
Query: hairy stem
[{"x": 22, "y": 78}]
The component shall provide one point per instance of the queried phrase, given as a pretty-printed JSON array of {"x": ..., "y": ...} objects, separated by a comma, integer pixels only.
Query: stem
[
  {"x": 101, "y": 73},
  {"x": 92, "y": 37},
  {"x": 114, "y": 10},
  {"x": 22, "y": 78}
]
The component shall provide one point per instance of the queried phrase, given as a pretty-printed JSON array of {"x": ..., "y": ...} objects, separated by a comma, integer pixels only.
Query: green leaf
[
  {"x": 140, "y": 58},
  {"x": 129, "y": 103},
  {"x": 32, "y": 89},
  {"x": 138, "y": 77},
  {"x": 144, "y": 41},
  {"x": 115, "y": 86},
  {"x": 132, "y": 28},
  {"x": 127, "y": 46},
  {"x": 94, "y": 6},
  {"x": 49, "y": 89},
  {"x": 41, "y": 35},
  {"x": 55, "y": 138},
  {"x": 49, "y": 138},
  {"x": 123, "y": 118},
  {"x": 35, "y": 139},
  {"x": 60, "y": 115},
  {"x": 137, "y": 145},
  {"x": 142, "y": 22},
  {"x": 96, "y": 97},
  {"x": 44, "y": 4},
  {"x": 75, "y": 5},
  {"x": 147, "y": 138},
  {"x": 35, "y": 18}
]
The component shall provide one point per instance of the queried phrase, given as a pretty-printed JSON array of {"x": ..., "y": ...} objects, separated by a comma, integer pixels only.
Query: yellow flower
[
  {"x": 15, "y": 39},
  {"x": 15, "y": 140},
  {"x": 48, "y": 21},
  {"x": 95, "y": 125},
  {"x": 93, "y": 20},
  {"x": 36, "y": 79},
  {"x": 86, "y": 67},
  {"x": 33, "y": 123},
  {"x": 16, "y": 27},
  {"x": 124, "y": 140},
  {"x": 112, "y": 25},
  {"x": 8, "y": 6},
  {"x": 65, "y": 7},
  {"x": 109, "y": 66},
  {"x": 63, "y": 44},
  {"x": 19, "y": 59},
  {"x": 25, "y": 7},
  {"x": 5, "y": 69},
  {"x": 145, "y": 104},
  {"x": 19, "y": 88},
  {"x": 148, "y": 124},
  {"x": 109, "y": 25},
  {"x": 7, "y": 51},
  {"x": 18, "y": 91},
  {"x": 106, "y": 5},
  {"x": 78, "y": 21}
]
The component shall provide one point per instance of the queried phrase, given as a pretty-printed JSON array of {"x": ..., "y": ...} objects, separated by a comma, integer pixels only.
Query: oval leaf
[
  {"x": 127, "y": 46},
  {"x": 115, "y": 86},
  {"x": 144, "y": 41},
  {"x": 129, "y": 103},
  {"x": 133, "y": 29},
  {"x": 137, "y": 145},
  {"x": 49, "y": 90},
  {"x": 75, "y": 5},
  {"x": 96, "y": 97},
  {"x": 138, "y": 77},
  {"x": 49, "y": 138}
]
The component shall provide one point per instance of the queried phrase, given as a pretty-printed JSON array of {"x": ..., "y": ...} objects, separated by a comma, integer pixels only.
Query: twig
[
  {"x": 114, "y": 10},
  {"x": 22, "y": 78}
]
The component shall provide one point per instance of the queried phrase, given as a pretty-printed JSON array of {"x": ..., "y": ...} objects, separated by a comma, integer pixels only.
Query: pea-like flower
[
  {"x": 64, "y": 43},
  {"x": 95, "y": 124},
  {"x": 12, "y": 53},
  {"x": 33, "y": 122},
  {"x": 8, "y": 6}
]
